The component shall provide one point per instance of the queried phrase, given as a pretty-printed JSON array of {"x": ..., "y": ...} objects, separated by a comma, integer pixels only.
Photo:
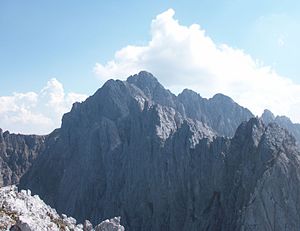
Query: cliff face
[
  {"x": 136, "y": 150},
  {"x": 17, "y": 153},
  {"x": 263, "y": 179}
]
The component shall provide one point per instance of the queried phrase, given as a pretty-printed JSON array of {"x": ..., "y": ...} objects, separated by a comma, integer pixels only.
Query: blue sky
[
  {"x": 64, "y": 39},
  {"x": 40, "y": 40}
]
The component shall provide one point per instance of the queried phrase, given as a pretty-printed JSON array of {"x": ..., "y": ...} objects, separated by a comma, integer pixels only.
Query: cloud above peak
[
  {"x": 36, "y": 113},
  {"x": 186, "y": 57}
]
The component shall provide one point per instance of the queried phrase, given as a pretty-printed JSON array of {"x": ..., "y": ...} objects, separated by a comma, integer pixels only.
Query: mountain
[
  {"x": 220, "y": 112},
  {"x": 283, "y": 121},
  {"x": 17, "y": 153},
  {"x": 101, "y": 150},
  {"x": 166, "y": 162},
  {"x": 20, "y": 211}
]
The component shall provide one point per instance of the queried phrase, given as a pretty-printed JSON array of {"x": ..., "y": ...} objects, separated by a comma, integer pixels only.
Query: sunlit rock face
[{"x": 20, "y": 211}]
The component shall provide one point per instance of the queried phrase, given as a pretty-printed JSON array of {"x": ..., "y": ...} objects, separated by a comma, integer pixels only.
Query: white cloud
[
  {"x": 36, "y": 113},
  {"x": 185, "y": 57}
]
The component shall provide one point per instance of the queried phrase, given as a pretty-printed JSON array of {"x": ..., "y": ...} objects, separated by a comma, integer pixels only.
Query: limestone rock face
[
  {"x": 163, "y": 162},
  {"x": 20, "y": 211},
  {"x": 17, "y": 153}
]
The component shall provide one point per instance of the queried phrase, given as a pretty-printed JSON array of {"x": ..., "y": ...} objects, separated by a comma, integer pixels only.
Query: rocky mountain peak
[
  {"x": 189, "y": 95},
  {"x": 267, "y": 116},
  {"x": 154, "y": 91},
  {"x": 147, "y": 83},
  {"x": 250, "y": 130},
  {"x": 143, "y": 79},
  {"x": 221, "y": 98},
  {"x": 279, "y": 136},
  {"x": 220, "y": 112},
  {"x": 282, "y": 121}
]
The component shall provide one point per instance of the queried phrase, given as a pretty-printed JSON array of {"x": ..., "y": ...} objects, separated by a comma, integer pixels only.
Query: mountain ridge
[
  {"x": 283, "y": 121},
  {"x": 166, "y": 162}
]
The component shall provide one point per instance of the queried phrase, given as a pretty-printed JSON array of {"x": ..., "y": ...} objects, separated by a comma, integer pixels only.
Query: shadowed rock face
[
  {"x": 136, "y": 150},
  {"x": 17, "y": 152}
]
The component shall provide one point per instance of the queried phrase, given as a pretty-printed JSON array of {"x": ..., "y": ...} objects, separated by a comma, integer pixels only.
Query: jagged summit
[
  {"x": 268, "y": 113},
  {"x": 147, "y": 83},
  {"x": 143, "y": 78},
  {"x": 220, "y": 112},
  {"x": 221, "y": 97},
  {"x": 115, "y": 98},
  {"x": 284, "y": 119},
  {"x": 267, "y": 116},
  {"x": 253, "y": 129},
  {"x": 154, "y": 90},
  {"x": 188, "y": 93},
  {"x": 217, "y": 97},
  {"x": 284, "y": 122}
]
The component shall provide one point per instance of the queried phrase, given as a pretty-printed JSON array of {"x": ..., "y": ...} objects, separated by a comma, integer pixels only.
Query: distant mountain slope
[
  {"x": 284, "y": 122},
  {"x": 136, "y": 150},
  {"x": 17, "y": 153},
  {"x": 220, "y": 112}
]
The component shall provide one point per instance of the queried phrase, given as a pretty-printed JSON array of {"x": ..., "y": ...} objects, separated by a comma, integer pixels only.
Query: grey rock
[
  {"x": 267, "y": 116},
  {"x": 220, "y": 112},
  {"x": 87, "y": 226},
  {"x": 154, "y": 91},
  {"x": 15, "y": 228},
  {"x": 284, "y": 122},
  {"x": 19, "y": 211},
  {"x": 110, "y": 225},
  {"x": 17, "y": 153},
  {"x": 23, "y": 226},
  {"x": 163, "y": 162}
]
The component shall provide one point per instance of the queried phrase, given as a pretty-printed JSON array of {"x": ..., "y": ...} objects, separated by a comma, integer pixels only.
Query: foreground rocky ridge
[{"x": 24, "y": 212}]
